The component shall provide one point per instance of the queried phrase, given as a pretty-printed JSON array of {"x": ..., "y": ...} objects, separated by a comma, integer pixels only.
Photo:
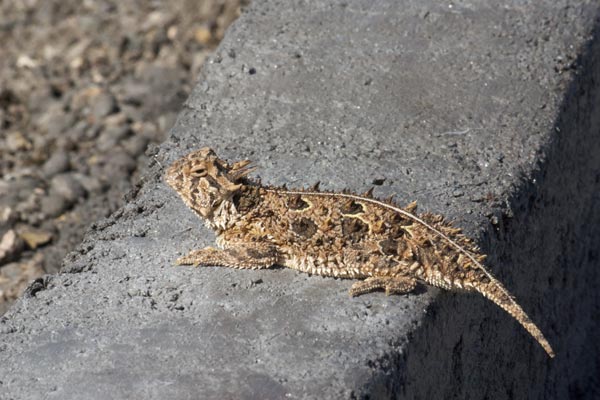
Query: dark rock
[
  {"x": 68, "y": 187},
  {"x": 57, "y": 163},
  {"x": 120, "y": 162},
  {"x": 135, "y": 145},
  {"x": 103, "y": 104},
  {"x": 55, "y": 121},
  {"x": 81, "y": 131},
  {"x": 133, "y": 113},
  {"x": 28, "y": 205},
  {"x": 15, "y": 192},
  {"x": 134, "y": 92},
  {"x": 53, "y": 205},
  {"x": 110, "y": 137},
  {"x": 118, "y": 119},
  {"x": 40, "y": 99},
  {"x": 166, "y": 81},
  {"x": 91, "y": 184},
  {"x": 92, "y": 131}
]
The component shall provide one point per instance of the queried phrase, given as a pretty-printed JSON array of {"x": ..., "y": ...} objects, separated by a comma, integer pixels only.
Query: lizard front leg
[
  {"x": 241, "y": 257},
  {"x": 391, "y": 284}
]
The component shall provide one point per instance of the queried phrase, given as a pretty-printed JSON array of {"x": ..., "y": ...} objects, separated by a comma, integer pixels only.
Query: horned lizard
[{"x": 331, "y": 234}]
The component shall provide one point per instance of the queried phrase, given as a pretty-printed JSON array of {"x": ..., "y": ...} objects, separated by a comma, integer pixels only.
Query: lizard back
[{"x": 332, "y": 234}]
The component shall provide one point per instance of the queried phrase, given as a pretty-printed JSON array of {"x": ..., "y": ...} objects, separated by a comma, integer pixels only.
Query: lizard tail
[{"x": 494, "y": 291}]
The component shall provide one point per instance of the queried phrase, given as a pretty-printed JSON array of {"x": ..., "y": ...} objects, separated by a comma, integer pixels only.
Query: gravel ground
[{"x": 86, "y": 87}]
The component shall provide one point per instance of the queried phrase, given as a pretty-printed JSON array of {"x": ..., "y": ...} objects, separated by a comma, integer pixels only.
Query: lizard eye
[{"x": 198, "y": 171}]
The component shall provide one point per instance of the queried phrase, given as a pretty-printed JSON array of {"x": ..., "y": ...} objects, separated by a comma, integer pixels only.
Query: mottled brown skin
[{"x": 331, "y": 234}]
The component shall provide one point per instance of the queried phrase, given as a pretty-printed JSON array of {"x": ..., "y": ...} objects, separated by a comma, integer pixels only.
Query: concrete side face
[
  {"x": 450, "y": 105},
  {"x": 551, "y": 228}
]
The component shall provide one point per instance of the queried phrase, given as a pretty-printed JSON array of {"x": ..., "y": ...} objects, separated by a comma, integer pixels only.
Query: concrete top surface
[{"x": 449, "y": 104}]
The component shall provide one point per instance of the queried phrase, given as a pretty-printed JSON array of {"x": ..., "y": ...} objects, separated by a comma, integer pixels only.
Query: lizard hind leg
[{"x": 392, "y": 285}]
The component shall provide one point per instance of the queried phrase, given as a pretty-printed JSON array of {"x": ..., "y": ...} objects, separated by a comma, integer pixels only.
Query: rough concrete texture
[{"x": 486, "y": 114}]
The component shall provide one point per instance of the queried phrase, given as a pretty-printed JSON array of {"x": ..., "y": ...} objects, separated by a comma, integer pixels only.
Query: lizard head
[{"x": 204, "y": 181}]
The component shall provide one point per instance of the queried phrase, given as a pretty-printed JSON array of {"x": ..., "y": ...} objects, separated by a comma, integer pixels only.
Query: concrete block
[{"x": 487, "y": 114}]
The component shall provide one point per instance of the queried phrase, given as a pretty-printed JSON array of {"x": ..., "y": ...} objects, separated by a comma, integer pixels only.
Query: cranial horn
[
  {"x": 241, "y": 173},
  {"x": 239, "y": 170},
  {"x": 229, "y": 188},
  {"x": 240, "y": 164},
  {"x": 411, "y": 207}
]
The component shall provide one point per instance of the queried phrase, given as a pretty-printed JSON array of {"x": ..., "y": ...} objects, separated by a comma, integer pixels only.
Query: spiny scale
[{"x": 332, "y": 234}]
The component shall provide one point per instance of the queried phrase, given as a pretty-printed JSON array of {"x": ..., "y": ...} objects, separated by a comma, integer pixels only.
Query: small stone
[
  {"x": 82, "y": 97},
  {"x": 91, "y": 184},
  {"x": 166, "y": 121},
  {"x": 14, "y": 278},
  {"x": 53, "y": 205},
  {"x": 203, "y": 35},
  {"x": 10, "y": 246},
  {"x": 39, "y": 98},
  {"x": 8, "y": 217},
  {"x": 458, "y": 193},
  {"x": 10, "y": 272},
  {"x": 41, "y": 144},
  {"x": 68, "y": 187},
  {"x": 133, "y": 92},
  {"x": 24, "y": 61},
  {"x": 76, "y": 63},
  {"x": 76, "y": 51},
  {"x": 120, "y": 162},
  {"x": 104, "y": 104},
  {"x": 65, "y": 143},
  {"x": 55, "y": 121},
  {"x": 117, "y": 119},
  {"x": 167, "y": 82},
  {"x": 172, "y": 32},
  {"x": 198, "y": 60},
  {"x": 57, "y": 163},
  {"x": 92, "y": 131},
  {"x": 15, "y": 141},
  {"x": 24, "y": 186},
  {"x": 78, "y": 131},
  {"x": 133, "y": 113},
  {"x": 34, "y": 237},
  {"x": 136, "y": 145},
  {"x": 28, "y": 205},
  {"x": 112, "y": 136}
]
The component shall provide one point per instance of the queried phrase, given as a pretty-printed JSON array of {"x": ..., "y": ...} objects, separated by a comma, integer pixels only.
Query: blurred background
[{"x": 86, "y": 87}]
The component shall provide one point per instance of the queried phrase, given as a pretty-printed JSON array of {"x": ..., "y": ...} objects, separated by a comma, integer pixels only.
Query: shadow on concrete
[{"x": 545, "y": 249}]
